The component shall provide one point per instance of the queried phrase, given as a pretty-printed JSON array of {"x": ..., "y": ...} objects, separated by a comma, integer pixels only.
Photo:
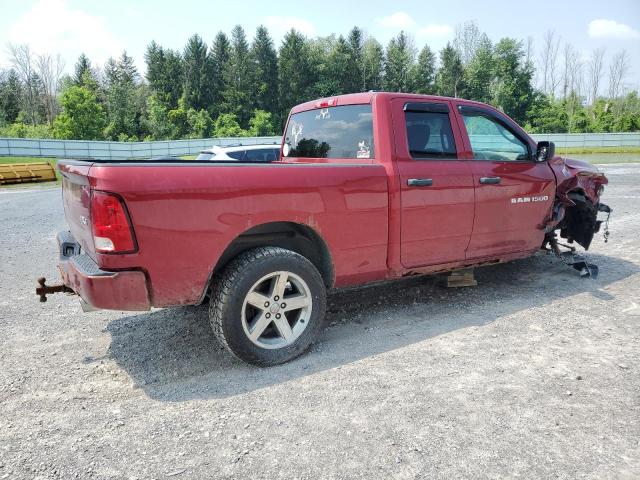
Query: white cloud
[
  {"x": 278, "y": 26},
  {"x": 400, "y": 20},
  {"x": 52, "y": 26},
  {"x": 403, "y": 21},
  {"x": 603, "y": 28}
]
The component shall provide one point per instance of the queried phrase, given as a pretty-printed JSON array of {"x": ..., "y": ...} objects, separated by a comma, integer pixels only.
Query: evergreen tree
[
  {"x": 449, "y": 80},
  {"x": 124, "y": 106},
  {"x": 81, "y": 70},
  {"x": 479, "y": 75},
  {"x": 295, "y": 73},
  {"x": 240, "y": 77},
  {"x": 398, "y": 64},
  {"x": 338, "y": 65},
  {"x": 354, "y": 78},
  {"x": 10, "y": 93},
  {"x": 196, "y": 79},
  {"x": 219, "y": 62},
  {"x": 172, "y": 85},
  {"x": 424, "y": 72},
  {"x": 154, "y": 58},
  {"x": 164, "y": 74},
  {"x": 372, "y": 65},
  {"x": 320, "y": 69},
  {"x": 265, "y": 58}
]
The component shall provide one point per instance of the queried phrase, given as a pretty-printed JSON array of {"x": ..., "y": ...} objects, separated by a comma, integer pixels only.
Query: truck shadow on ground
[{"x": 173, "y": 355}]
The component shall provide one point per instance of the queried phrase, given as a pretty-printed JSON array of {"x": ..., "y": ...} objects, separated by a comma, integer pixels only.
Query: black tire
[{"x": 230, "y": 288}]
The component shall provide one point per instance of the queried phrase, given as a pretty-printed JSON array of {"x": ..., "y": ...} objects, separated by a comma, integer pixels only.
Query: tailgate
[{"x": 76, "y": 196}]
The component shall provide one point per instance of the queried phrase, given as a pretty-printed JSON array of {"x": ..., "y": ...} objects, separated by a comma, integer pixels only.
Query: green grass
[
  {"x": 605, "y": 158},
  {"x": 590, "y": 150},
  {"x": 27, "y": 160}
]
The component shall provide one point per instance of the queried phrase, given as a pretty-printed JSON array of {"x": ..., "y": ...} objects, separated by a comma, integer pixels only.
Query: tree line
[{"x": 237, "y": 87}]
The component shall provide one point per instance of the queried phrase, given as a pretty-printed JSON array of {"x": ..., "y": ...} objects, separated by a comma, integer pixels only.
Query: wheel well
[{"x": 296, "y": 237}]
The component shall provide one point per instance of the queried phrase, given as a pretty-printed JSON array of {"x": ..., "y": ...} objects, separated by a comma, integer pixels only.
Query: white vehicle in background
[{"x": 242, "y": 153}]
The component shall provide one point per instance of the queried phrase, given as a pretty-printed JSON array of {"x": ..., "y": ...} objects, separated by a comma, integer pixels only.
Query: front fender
[{"x": 577, "y": 176}]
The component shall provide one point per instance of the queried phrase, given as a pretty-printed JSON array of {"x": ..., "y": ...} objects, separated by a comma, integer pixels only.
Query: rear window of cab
[{"x": 333, "y": 132}]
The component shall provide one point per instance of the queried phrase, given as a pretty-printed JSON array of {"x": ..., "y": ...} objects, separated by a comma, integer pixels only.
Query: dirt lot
[{"x": 535, "y": 373}]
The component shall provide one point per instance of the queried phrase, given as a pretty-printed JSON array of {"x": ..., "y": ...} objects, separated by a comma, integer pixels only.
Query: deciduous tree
[
  {"x": 512, "y": 89},
  {"x": 82, "y": 117},
  {"x": 261, "y": 124}
]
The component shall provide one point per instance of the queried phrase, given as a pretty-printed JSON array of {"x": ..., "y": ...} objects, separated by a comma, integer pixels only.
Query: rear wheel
[{"x": 267, "y": 306}]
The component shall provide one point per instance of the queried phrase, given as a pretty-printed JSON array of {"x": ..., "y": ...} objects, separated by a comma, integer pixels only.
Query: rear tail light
[{"x": 110, "y": 226}]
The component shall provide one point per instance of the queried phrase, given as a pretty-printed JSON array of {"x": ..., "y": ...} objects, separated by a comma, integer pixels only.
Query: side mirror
[{"x": 545, "y": 151}]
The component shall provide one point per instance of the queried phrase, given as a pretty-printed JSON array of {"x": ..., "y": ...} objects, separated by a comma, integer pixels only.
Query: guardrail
[
  {"x": 568, "y": 140},
  {"x": 27, "y": 147}
]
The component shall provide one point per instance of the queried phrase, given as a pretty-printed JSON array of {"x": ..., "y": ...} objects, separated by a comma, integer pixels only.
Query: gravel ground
[{"x": 534, "y": 373}]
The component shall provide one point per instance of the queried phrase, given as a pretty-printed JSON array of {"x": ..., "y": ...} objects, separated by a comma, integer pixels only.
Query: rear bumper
[{"x": 122, "y": 290}]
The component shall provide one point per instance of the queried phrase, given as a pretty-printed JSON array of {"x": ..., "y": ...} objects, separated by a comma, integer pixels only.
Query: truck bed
[{"x": 186, "y": 213}]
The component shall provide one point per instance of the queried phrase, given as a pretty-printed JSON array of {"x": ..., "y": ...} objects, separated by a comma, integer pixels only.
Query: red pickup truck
[{"x": 370, "y": 186}]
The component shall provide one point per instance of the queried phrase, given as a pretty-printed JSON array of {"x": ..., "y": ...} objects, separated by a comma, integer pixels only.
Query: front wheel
[{"x": 267, "y": 306}]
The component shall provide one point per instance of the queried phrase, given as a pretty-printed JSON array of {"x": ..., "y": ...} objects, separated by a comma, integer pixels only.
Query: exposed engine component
[{"x": 578, "y": 223}]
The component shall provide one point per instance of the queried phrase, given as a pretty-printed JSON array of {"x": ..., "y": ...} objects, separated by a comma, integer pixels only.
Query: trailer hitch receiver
[{"x": 43, "y": 290}]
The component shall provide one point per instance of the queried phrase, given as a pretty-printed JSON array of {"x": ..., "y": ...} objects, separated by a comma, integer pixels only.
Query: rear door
[
  {"x": 437, "y": 194},
  {"x": 514, "y": 194}
]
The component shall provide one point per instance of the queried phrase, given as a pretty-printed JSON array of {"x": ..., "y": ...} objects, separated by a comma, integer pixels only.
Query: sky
[{"x": 104, "y": 28}]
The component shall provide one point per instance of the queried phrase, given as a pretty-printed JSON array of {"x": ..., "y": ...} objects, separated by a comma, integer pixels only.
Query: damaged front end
[{"x": 574, "y": 215}]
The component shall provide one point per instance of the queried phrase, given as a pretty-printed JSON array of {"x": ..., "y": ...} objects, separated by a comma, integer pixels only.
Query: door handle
[
  {"x": 490, "y": 180},
  {"x": 420, "y": 182}
]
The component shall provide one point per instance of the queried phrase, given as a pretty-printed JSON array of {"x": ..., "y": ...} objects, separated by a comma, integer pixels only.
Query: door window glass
[
  {"x": 490, "y": 140},
  {"x": 429, "y": 135}
]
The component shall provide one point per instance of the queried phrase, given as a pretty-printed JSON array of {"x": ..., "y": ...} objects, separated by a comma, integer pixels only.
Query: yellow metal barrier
[{"x": 26, "y": 172}]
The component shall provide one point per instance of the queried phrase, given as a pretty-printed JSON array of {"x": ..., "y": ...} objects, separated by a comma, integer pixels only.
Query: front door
[
  {"x": 437, "y": 192},
  {"x": 514, "y": 193}
]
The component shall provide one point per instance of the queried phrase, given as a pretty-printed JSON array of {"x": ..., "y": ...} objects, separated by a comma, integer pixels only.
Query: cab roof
[{"x": 367, "y": 97}]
